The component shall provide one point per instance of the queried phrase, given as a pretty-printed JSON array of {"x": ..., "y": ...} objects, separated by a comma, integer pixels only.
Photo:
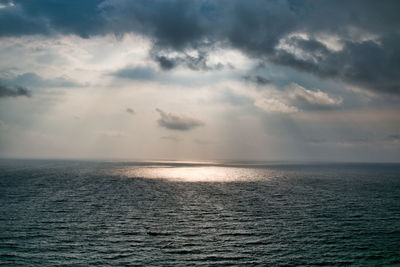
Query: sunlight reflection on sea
[{"x": 197, "y": 173}]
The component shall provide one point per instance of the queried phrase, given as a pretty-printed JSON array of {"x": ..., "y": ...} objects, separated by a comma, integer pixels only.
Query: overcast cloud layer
[
  {"x": 265, "y": 79},
  {"x": 289, "y": 33}
]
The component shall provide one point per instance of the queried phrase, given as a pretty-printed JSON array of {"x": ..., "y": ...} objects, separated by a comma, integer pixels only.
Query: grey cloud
[
  {"x": 165, "y": 63},
  {"x": 257, "y": 79},
  {"x": 254, "y": 27},
  {"x": 15, "y": 22},
  {"x": 34, "y": 80},
  {"x": 30, "y": 79},
  {"x": 177, "y": 122},
  {"x": 367, "y": 64},
  {"x": 13, "y": 91},
  {"x": 257, "y": 27},
  {"x": 198, "y": 62},
  {"x": 136, "y": 73},
  {"x": 83, "y": 18},
  {"x": 130, "y": 111},
  {"x": 149, "y": 74},
  {"x": 173, "y": 24}
]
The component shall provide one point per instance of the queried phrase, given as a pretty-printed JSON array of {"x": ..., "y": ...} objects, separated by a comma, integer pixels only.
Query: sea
[{"x": 166, "y": 213}]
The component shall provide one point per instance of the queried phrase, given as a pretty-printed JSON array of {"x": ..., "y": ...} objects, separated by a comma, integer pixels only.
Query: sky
[{"x": 200, "y": 80}]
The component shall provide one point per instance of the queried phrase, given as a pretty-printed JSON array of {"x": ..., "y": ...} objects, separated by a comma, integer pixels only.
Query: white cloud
[
  {"x": 274, "y": 105},
  {"x": 332, "y": 42},
  {"x": 299, "y": 93}
]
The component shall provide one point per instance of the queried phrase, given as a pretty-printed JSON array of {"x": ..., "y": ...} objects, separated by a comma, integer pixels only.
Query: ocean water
[{"x": 177, "y": 214}]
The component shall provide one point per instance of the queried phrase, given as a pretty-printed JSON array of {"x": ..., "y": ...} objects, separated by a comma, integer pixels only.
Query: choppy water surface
[{"x": 87, "y": 213}]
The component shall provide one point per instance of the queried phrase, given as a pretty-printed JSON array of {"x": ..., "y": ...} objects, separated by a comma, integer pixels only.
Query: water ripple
[{"x": 88, "y": 213}]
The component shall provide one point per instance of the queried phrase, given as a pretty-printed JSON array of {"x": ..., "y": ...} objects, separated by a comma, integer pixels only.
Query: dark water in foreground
[{"x": 88, "y": 213}]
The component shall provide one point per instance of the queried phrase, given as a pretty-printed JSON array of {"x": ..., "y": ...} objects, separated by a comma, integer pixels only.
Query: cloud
[
  {"x": 165, "y": 63},
  {"x": 31, "y": 79},
  {"x": 196, "y": 62},
  {"x": 257, "y": 79},
  {"x": 177, "y": 122},
  {"x": 187, "y": 79},
  {"x": 303, "y": 96},
  {"x": 51, "y": 17},
  {"x": 274, "y": 105},
  {"x": 13, "y": 91},
  {"x": 288, "y": 99},
  {"x": 136, "y": 73},
  {"x": 287, "y": 33},
  {"x": 130, "y": 111},
  {"x": 367, "y": 64}
]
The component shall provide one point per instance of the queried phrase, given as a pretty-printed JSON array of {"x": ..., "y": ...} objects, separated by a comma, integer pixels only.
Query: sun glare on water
[{"x": 194, "y": 173}]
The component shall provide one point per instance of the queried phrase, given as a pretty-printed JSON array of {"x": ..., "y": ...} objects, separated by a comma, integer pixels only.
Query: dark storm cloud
[
  {"x": 254, "y": 27},
  {"x": 165, "y": 63},
  {"x": 13, "y": 91},
  {"x": 15, "y": 22},
  {"x": 83, "y": 18},
  {"x": 177, "y": 122}
]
